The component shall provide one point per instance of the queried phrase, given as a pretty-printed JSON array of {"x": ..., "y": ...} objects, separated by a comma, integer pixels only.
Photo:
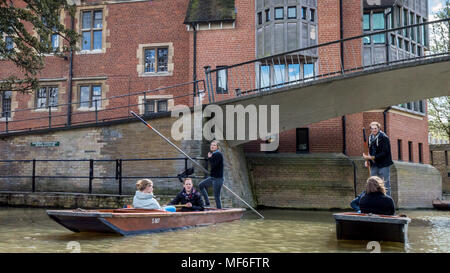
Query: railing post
[
  {"x": 96, "y": 112},
  {"x": 49, "y": 116},
  {"x": 185, "y": 164},
  {"x": 120, "y": 175},
  {"x": 91, "y": 174},
  {"x": 33, "y": 176},
  {"x": 6, "y": 122}
]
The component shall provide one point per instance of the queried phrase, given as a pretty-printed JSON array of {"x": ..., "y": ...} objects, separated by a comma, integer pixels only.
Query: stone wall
[
  {"x": 440, "y": 154},
  {"x": 128, "y": 140},
  {"x": 327, "y": 181}
]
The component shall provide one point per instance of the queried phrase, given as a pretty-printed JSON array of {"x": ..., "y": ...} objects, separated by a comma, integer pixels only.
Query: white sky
[{"x": 435, "y": 5}]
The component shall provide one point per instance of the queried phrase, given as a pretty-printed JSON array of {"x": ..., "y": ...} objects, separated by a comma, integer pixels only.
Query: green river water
[{"x": 30, "y": 230}]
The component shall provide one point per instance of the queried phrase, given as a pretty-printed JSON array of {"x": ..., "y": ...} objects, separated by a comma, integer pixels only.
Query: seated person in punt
[
  {"x": 189, "y": 197},
  {"x": 375, "y": 200},
  {"x": 144, "y": 198}
]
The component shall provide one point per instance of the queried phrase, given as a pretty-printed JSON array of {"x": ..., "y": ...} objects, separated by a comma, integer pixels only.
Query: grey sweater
[{"x": 145, "y": 201}]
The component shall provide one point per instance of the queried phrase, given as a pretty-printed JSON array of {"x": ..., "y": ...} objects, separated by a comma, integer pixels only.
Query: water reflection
[{"x": 30, "y": 230}]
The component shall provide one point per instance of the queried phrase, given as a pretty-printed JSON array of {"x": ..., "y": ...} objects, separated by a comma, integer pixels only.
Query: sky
[{"x": 435, "y": 5}]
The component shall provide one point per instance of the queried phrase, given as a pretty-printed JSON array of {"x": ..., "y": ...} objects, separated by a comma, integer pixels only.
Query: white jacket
[{"x": 145, "y": 201}]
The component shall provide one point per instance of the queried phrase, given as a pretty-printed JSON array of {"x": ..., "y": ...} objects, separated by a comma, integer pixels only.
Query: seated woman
[
  {"x": 188, "y": 197},
  {"x": 144, "y": 198},
  {"x": 375, "y": 200}
]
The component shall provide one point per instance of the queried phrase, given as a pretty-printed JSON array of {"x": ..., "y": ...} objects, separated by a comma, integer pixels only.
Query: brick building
[{"x": 137, "y": 45}]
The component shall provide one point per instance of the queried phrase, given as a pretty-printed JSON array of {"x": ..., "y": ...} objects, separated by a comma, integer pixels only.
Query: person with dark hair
[
  {"x": 375, "y": 200},
  {"x": 189, "y": 197},
  {"x": 215, "y": 159},
  {"x": 379, "y": 156}
]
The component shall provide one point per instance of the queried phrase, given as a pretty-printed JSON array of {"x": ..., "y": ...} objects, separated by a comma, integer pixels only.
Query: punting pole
[{"x": 193, "y": 161}]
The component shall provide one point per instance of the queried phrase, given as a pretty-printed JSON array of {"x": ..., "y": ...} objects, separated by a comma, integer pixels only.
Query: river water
[{"x": 31, "y": 230}]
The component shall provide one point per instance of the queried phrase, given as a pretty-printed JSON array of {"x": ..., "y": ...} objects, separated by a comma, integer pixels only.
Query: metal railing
[
  {"x": 88, "y": 165},
  {"x": 101, "y": 110},
  {"x": 323, "y": 61}
]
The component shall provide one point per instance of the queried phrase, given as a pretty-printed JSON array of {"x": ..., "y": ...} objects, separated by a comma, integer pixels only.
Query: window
[
  {"x": 366, "y": 21},
  {"x": 264, "y": 76},
  {"x": 267, "y": 15},
  {"x": 302, "y": 141},
  {"x": 308, "y": 71},
  {"x": 222, "y": 80},
  {"x": 399, "y": 149},
  {"x": 91, "y": 28},
  {"x": 379, "y": 39},
  {"x": 312, "y": 13},
  {"x": 405, "y": 22},
  {"x": 54, "y": 37},
  {"x": 304, "y": 10},
  {"x": 419, "y": 35},
  {"x": 47, "y": 97},
  {"x": 411, "y": 22},
  {"x": 9, "y": 44},
  {"x": 294, "y": 72},
  {"x": 378, "y": 21},
  {"x": 292, "y": 12},
  {"x": 260, "y": 18},
  {"x": 420, "y": 153},
  {"x": 279, "y": 13},
  {"x": 156, "y": 60},
  {"x": 424, "y": 33},
  {"x": 410, "y": 151},
  {"x": 279, "y": 74},
  {"x": 161, "y": 105},
  {"x": 90, "y": 96},
  {"x": 421, "y": 106},
  {"x": 6, "y": 104}
]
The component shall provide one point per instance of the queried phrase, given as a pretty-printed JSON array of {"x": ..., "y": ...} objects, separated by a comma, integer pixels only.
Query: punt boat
[
  {"x": 441, "y": 204},
  {"x": 131, "y": 221},
  {"x": 373, "y": 227}
]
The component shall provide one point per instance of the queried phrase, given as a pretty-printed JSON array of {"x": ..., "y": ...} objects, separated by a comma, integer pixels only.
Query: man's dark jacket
[{"x": 381, "y": 149}]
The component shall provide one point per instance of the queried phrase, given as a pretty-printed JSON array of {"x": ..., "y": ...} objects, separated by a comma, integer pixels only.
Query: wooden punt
[
  {"x": 136, "y": 221},
  {"x": 373, "y": 227},
  {"x": 441, "y": 204}
]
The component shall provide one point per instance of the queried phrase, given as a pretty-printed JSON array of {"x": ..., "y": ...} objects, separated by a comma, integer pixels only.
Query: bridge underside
[{"x": 311, "y": 102}]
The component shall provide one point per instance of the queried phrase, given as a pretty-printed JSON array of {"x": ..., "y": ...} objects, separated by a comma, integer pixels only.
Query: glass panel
[
  {"x": 378, "y": 21},
  {"x": 279, "y": 13},
  {"x": 304, "y": 13},
  {"x": 9, "y": 43},
  {"x": 162, "y": 59},
  {"x": 379, "y": 39},
  {"x": 98, "y": 39},
  {"x": 294, "y": 72},
  {"x": 406, "y": 45},
  {"x": 292, "y": 12},
  {"x": 424, "y": 34},
  {"x": 312, "y": 15},
  {"x": 149, "y": 60},
  {"x": 55, "y": 41},
  {"x": 421, "y": 107},
  {"x": 411, "y": 22},
  {"x": 97, "y": 95},
  {"x": 222, "y": 81},
  {"x": 87, "y": 20},
  {"x": 366, "y": 21},
  {"x": 400, "y": 43},
  {"x": 41, "y": 98},
  {"x": 86, "y": 42},
  {"x": 419, "y": 35},
  {"x": 265, "y": 76},
  {"x": 162, "y": 105},
  {"x": 6, "y": 104},
  {"x": 53, "y": 96},
  {"x": 150, "y": 106},
  {"x": 279, "y": 74},
  {"x": 308, "y": 71},
  {"x": 366, "y": 40},
  {"x": 393, "y": 40},
  {"x": 260, "y": 18},
  {"x": 85, "y": 96},
  {"x": 267, "y": 15},
  {"x": 98, "y": 17},
  {"x": 405, "y": 22}
]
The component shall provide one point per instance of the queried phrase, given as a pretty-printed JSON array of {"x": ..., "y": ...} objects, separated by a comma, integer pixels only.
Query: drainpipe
[
  {"x": 385, "y": 119},
  {"x": 195, "y": 60},
  {"x": 69, "y": 96},
  {"x": 341, "y": 19}
]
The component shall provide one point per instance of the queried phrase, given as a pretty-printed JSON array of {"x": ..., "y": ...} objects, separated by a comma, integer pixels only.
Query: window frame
[
  {"x": 156, "y": 60},
  {"x": 290, "y": 8},
  {"x": 91, "y": 95},
  {"x": 92, "y": 29},
  {"x": 275, "y": 13},
  {"x": 47, "y": 97},
  {"x": 221, "y": 68},
  {"x": 155, "y": 103}
]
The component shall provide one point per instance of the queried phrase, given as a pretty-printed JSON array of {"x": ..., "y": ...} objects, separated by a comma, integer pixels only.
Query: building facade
[{"x": 137, "y": 45}]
